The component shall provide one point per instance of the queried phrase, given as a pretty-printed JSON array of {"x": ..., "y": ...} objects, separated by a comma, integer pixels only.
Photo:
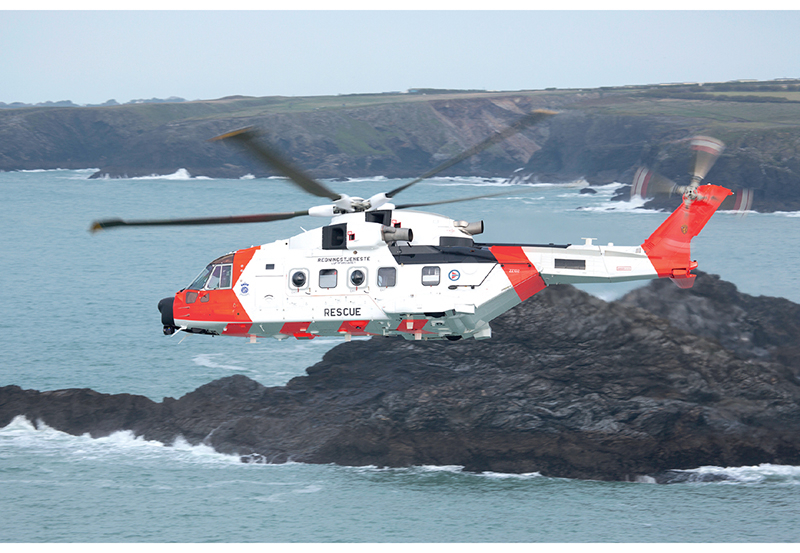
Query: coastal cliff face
[
  {"x": 599, "y": 135},
  {"x": 337, "y": 141},
  {"x": 568, "y": 386}
]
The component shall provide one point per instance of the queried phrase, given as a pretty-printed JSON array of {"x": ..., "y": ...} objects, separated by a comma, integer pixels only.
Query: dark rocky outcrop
[{"x": 568, "y": 386}]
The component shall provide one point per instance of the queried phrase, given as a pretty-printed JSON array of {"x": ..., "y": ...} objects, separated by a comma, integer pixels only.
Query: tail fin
[{"x": 669, "y": 246}]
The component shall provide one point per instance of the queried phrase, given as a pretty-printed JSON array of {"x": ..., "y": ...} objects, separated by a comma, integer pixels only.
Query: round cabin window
[
  {"x": 357, "y": 277},
  {"x": 299, "y": 279}
]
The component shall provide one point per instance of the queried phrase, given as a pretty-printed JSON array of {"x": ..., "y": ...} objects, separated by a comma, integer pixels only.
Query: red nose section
[{"x": 219, "y": 305}]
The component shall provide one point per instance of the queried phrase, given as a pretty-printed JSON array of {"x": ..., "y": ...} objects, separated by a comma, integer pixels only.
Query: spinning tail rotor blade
[
  {"x": 248, "y": 139},
  {"x": 647, "y": 184},
  {"x": 236, "y": 219},
  {"x": 741, "y": 201},
  {"x": 707, "y": 150},
  {"x": 530, "y": 119}
]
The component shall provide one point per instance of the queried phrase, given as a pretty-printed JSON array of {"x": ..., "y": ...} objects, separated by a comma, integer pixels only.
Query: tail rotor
[{"x": 649, "y": 184}]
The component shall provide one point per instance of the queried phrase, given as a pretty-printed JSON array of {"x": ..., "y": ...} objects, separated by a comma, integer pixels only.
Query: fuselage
[{"x": 353, "y": 278}]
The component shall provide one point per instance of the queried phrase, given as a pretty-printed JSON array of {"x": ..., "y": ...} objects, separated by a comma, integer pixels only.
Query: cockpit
[{"x": 217, "y": 275}]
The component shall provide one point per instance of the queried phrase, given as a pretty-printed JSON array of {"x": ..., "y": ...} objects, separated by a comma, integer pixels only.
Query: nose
[{"x": 167, "y": 319}]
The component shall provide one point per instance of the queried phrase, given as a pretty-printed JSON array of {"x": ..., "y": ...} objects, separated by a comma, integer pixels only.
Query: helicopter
[{"x": 381, "y": 268}]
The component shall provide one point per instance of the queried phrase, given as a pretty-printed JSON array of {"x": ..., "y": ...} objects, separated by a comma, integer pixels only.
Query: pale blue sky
[{"x": 93, "y": 56}]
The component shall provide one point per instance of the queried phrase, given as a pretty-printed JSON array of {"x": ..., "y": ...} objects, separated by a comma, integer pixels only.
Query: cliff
[
  {"x": 601, "y": 135},
  {"x": 571, "y": 386}
]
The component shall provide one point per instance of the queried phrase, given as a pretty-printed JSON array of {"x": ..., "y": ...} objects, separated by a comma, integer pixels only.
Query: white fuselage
[{"x": 349, "y": 278}]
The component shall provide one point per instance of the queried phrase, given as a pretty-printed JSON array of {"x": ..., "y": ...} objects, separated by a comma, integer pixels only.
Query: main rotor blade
[
  {"x": 248, "y": 138},
  {"x": 235, "y": 219},
  {"x": 530, "y": 119},
  {"x": 504, "y": 193}
]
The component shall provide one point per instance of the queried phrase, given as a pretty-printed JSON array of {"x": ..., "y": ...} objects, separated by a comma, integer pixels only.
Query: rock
[{"x": 569, "y": 386}]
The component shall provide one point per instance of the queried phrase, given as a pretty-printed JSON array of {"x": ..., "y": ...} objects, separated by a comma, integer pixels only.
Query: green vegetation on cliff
[{"x": 600, "y": 135}]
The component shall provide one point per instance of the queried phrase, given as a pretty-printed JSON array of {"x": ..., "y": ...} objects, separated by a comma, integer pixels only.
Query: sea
[{"x": 79, "y": 310}]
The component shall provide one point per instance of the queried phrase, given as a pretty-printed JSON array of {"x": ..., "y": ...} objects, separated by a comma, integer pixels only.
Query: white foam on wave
[
  {"x": 73, "y": 174},
  {"x": 512, "y": 476},
  {"x": 22, "y": 434},
  {"x": 376, "y": 178},
  {"x": 180, "y": 174},
  {"x": 765, "y": 472},
  {"x": 607, "y": 189},
  {"x": 430, "y": 470}
]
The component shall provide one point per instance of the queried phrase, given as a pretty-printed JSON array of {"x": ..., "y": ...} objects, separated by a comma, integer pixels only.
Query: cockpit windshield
[{"x": 217, "y": 275}]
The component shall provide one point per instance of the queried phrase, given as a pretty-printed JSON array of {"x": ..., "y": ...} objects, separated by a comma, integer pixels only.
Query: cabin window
[
  {"x": 576, "y": 264},
  {"x": 387, "y": 277},
  {"x": 358, "y": 277},
  {"x": 298, "y": 278},
  {"x": 430, "y": 276},
  {"x": 327, "y": 278}
]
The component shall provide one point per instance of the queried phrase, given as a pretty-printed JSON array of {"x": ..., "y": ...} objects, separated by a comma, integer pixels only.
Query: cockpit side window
[
  {"x": 213, "y": 280},
  {"x": 227, "y": 274},
  {"x": 200, "y": 281},
  {"x": 214, "y": 277}
]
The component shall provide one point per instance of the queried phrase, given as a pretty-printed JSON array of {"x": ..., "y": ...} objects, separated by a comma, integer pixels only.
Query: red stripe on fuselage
[
  {"x": 413, "y": 326},
  {"x": 298, "y": 330},
  {"x": 357, "y": 328},
  {"x": 520, "y": 271},
  {"x": 237, "y": 329}
]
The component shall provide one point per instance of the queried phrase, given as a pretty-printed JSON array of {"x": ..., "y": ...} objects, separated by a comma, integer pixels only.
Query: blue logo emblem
[
  {"x": 454, "y": 275},
  {"x": 245, "y": 288}
]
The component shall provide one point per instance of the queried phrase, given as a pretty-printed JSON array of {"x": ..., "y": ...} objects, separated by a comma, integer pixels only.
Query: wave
[
  {"x": 40, "y": 439},
  {"x": 85, "y": 170},
  {"x": 434, "y": 470},
  {"x": 180, "y": 174},
  {"x": 22, "y": 434},
  {"x": 377, "y": 178},
  {"x": 764, "y": 473}
]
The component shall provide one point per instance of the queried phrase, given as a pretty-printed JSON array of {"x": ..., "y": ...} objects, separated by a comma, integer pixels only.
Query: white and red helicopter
[{"x": 383, "y": 269}]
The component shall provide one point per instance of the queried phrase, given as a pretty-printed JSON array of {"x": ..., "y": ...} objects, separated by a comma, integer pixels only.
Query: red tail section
[{"x": 669, "y": 246}]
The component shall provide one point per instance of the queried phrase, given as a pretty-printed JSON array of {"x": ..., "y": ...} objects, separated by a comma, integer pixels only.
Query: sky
[{"x": 89, "y": 56}]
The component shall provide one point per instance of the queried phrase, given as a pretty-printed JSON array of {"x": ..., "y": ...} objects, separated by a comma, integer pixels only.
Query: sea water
[{"x": 80, "y": 311}]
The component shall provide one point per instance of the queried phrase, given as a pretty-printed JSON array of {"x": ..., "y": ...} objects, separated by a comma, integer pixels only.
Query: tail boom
[{"x": 665, "y": 254}]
